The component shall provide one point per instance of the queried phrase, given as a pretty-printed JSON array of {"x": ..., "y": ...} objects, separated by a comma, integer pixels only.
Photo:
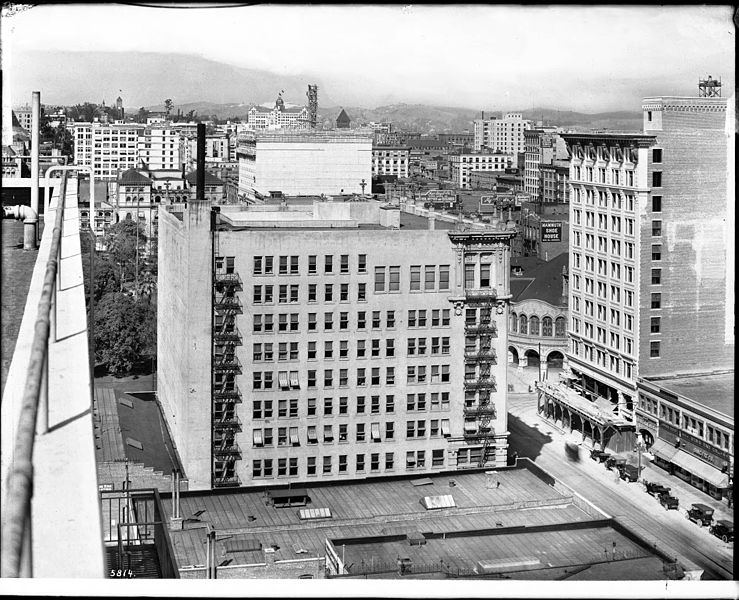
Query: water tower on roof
[{"x": 709, "y": 87}]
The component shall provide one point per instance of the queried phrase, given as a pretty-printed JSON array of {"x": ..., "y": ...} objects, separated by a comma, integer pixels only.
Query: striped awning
[
  {"x": 282, "y": 379},
  {"x": 445, "y": 429},
  {"x": 470, "y": 426},
  {"x": 294, "y": 436},
  {"x": 258, "y": 441},
  {"x": 294, "y": 383},
  {"x": 375, "y": 429},
  {"x": 697, "y": 467},
  {"x": 662, "y": 449}
]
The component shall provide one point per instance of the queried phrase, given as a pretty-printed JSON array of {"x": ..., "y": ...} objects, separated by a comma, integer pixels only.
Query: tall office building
[
  {"x": 501, "y": 135},
  {"x": 108, "y": 149},
  {"x": 335, "y": 341}
]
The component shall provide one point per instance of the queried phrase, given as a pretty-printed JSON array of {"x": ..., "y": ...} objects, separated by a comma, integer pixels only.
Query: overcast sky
[{"x": 512, "y": 57}]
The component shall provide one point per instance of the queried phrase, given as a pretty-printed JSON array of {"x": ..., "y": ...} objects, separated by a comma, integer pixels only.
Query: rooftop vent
[{"x": 437, "y": 502}]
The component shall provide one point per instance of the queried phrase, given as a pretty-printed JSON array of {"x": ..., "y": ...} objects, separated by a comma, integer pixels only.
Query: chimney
[
  {"x": 200, "y": 163},
  {"x": 35, "y": 139},
  {"x": 482, "y": 115},
  {"x": 269, "y": 556}
]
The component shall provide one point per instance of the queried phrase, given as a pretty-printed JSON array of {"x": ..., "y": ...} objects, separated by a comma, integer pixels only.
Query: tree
[
  {"x": 168, "y": 105},
  {"x": 120, "y": 243},
  {"x": 125, "y": 331}
]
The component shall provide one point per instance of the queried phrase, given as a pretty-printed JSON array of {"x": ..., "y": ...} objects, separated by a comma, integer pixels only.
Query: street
[{"x": 533, "y": 437}]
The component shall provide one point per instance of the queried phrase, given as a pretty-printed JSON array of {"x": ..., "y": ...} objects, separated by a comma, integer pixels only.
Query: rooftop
[
  {"x": 542, "y": 282},
  {"x": 713, "y": 391}
]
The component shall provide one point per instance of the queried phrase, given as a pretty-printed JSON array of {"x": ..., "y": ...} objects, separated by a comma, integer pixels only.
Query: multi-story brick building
[
  {"x": 555, "y": 183},
  {"x": 463, "y": 164},
  {"x": 108, "y": 148},
  {"x": 301, "y": 343},
  {"x": 390, "y": 160},
  {"x": 544, "y": 146},
  {"x": 217, "y": 149}
]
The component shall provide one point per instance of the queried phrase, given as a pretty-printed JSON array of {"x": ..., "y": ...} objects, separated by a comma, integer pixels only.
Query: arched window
[
  {"x": 128, "y": 216},
  {"x": 523, "y": 324},
  {"x": 158, "y": 199},
  {"x": 514, "y": 322},
  {"x": 534, "y": 326},
  {"x": 128, "y": 198},
  {"x": 559, "y": 327},
  {"x": 546, "y": 326}
]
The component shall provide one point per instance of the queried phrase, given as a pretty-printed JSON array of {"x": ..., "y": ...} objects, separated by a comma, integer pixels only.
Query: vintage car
[
  {"x": 723, "y": 530},
  {"x": 700, "y": 513},
  {"x": 668, "y": 501},
  {"x": 599, "y": 455},
  {"x": 628, "y": 473},
  {"x": 655, "y": 489},
  {"x": 615, "y": 461}
]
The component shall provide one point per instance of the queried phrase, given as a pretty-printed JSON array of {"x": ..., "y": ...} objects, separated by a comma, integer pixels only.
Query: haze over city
[{"x": 471, "y": 56}]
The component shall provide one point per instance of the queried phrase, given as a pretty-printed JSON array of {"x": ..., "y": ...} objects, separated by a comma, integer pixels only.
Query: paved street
[{"x": 544, "y": 443}]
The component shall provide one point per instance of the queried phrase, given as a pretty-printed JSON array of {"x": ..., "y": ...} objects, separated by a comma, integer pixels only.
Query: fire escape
[
  {"x": 226, "y": 366},
  {"x": 479, "y": 382}
]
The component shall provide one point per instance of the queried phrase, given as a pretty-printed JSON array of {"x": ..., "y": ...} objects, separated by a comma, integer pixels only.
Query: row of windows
[
  {"x": 694, "y": 426},
  {"x": 616, "y": 200},
  {"x": 602, "y": 358},
  {"x": 604, "y": 336},
  {"x": 290, "y": 265},
  {"x": 264, "y": 352},
  {"x": 286, "y": 380},
  {"x": 287, "y": 322},
  {"x": 530, "y": 325},
  {"x": 387, "y": 279},
  {"x": 602, "y": 175},
  {"x": 603, "y": 312},
  {"x": 288, "y": 408},
  {"x": 288, "y": 467}
]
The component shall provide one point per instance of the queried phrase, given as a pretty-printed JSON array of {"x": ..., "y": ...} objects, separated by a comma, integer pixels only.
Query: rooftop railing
[{"x": 50, "y": 511}]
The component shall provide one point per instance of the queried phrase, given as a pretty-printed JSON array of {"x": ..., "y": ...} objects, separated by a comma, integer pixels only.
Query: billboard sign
[
  {"x": 440, "y": 197},
  {"x": 487, "y": 204},
  {"x": 551, "y": 231}
]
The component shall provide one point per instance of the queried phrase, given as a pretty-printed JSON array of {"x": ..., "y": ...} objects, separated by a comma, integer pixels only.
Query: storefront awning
[
  {"x": 661, "y": 449},
  {"x": 697, "y": 467}
]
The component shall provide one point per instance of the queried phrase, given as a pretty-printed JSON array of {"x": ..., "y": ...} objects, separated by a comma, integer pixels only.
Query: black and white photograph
[{"x": 368, "y": 300}]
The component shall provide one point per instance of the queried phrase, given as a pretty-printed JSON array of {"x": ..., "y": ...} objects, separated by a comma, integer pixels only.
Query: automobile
[
  {"x": 597, "y": 454},
  {"x": 668, "y": 501},
  {"x": 601, "y": 458},
  {"x": 655, "y": 489},
  {"x": 615, "y": 461},
  {"x": 723, "y": 529},
  {"x": 700, "y": 513},
  {"x": 628, "y": 473}
]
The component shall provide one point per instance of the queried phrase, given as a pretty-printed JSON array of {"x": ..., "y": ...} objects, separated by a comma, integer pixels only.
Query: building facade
[
  {"x": 555, "y": 183},
  {"x": 543, "y": 146},
  {"x": 299, "y": 345},
  {"x": 501, "y": 135},
  {"x": 108, "y": 148},
  {"x": 390, "y": 160},
  {"x": 159, "y": 148},
  {"x": 303, "y": 163},
  {"x": 545, "y": 229},
  {"x": 463, "y": 164},
  {"x": 278, "y": 117}
]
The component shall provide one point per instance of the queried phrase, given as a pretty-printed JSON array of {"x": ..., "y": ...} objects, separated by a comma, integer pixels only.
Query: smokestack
[
  {"x": 482, "y": 115},
  {"x": 200, "y": 164},
  {"x": 35, "y": 111}
]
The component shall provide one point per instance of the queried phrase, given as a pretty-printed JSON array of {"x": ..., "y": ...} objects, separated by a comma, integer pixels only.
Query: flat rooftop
[
  {"x": 712, "y": 391},
  {"x": 512, "y": 516}
]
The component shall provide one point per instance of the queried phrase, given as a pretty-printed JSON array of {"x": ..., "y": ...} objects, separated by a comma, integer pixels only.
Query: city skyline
[{"x": 406, "y": 54}]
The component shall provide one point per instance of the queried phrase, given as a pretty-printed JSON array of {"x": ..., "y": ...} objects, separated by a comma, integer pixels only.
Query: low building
[
  {"x": 463, "y": 164},
  {"x": 545, "y": 229},
  {"x": 278, "y": 117},
  {"x": 687, "y": 424},
  {"x": 538, "y": 328}
]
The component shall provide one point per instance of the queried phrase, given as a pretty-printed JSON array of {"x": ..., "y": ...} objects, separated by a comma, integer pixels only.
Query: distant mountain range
[
  {"x": 147, "y": 78},
  {"x": 433, "y": 119}
]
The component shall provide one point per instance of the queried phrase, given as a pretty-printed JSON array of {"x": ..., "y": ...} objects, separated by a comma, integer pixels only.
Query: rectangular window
[
  {"x": 312, "y": 265},
  {"x": 328, "y": 321},
  {"x": 657, "y": 179},
  {"x": 656, "y": 276},
  {"x": 654, "y": 349},
  {"x": 656, "y": 252},
  {"x": 326, "y": 464},
  {"x": 379, "y": 279},
  {"x": 344, "y": 292},
  {"x": 656, "y": 301},
  {"x": 389, "y": 404},
  {"x": 389, "y": 461},
  {"x": 360, "y": 462},
  {"x": 656, "y": 228},
  {"x": 344, "y": 263},
  {"x": 342, "y": 463},
  {"x": 376, "y": 319},
  {"x": 312, "y": 321},
  {"x": 361, "y": 292},
  {"x": 328, "y": 264},
  {"x": 443, "y": 277},
  {"x": 394, "y": 281},
  {"x": 656, "y": 203},
  {"x": 328, "y": 294},
  {"x": 390, "y": 319},
  {"x": 360, "y": 405},
  {"x": 311, "y": 378},
  {"x": 360, "y": 436},
  {"x": 283, "y": 265},
  {"x": 656, "y": 155},
  {"x": 362, "y": 263},
  {"x": 430, "y": 278},
  {"x": 654, "y": 324},
  {"x": 415, "y": 279}
]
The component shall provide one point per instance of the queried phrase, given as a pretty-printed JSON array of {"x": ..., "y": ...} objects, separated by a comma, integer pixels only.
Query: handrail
[{"x": 16, "y": 526}]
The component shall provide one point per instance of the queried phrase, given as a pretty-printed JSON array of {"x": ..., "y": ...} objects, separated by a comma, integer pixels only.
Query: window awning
[
  {"x": 258, "y": 437},
  {"x": 375, "y": 432},
  {"x": 410, "y": 460},
  {"x": 282, "y": 378},
  {"x": 700, "y": 469},
  {"x": 328, "y": 433},
  {"x": 470, "y": 426},
  {"x": 663, "y": 450},
  {"x": 312, "y": 437},
  {"x": 294, "y": 436},
  {"x": 294, "y": 383},
  {"x": 445, "y": 430}
]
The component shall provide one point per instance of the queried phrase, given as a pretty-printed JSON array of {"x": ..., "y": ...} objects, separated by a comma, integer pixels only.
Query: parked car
[
  {"x": 723, "y": 529},
  {"x": 615, "y": 461},
  {"x": 598, "y": 455},
  {"x": 701, "y": 514},
  {"x": 628, "y": 473},
  {"x": 668, "y": 501},
  {"x": 655, "y": 489}
]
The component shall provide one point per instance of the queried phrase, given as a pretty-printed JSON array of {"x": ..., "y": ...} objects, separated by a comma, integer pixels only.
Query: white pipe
[
  {"x": 47, "y": 198},
  {"x": 35, "y": 137},
  {"x": 30, "y": 223}
]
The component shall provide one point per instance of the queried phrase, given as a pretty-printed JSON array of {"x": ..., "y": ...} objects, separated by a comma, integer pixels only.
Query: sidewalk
[{"x": 686, "y": 493}]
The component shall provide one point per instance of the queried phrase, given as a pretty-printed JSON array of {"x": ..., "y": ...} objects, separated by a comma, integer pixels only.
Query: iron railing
[{"x": 17, "y": 532}]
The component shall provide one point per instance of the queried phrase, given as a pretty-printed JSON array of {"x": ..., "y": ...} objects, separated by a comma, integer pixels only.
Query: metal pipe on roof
[{"x": 35, "y": 137}]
